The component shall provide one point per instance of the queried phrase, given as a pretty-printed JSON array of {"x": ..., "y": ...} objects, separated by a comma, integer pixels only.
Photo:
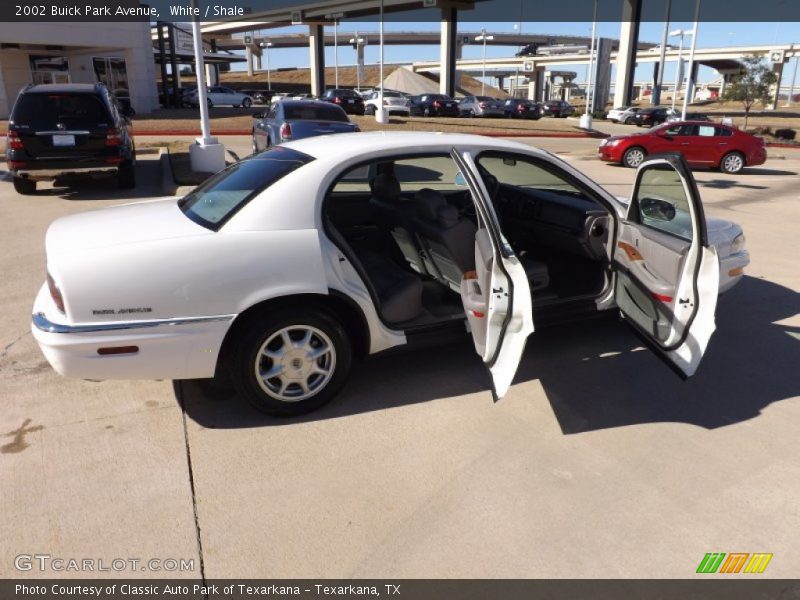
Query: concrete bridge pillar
[
  {"x": 626, "y": 57},
  {"x": 316, "y": 47},
  {"x": 448, "y": 50}
]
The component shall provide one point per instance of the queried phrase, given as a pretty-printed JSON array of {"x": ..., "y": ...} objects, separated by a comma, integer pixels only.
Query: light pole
[
  {"x": 381, "y": 115},
  {"x": 662, "y": 58},
  {"x": 679, "y": 70},
  {"x": 794, "y": 80},
  {"x": 266, "y": 46},
  {"x": 335, "y": 17},
  {"x": 484, "y": 38},
  {"x": 586, "y": 118},
  {"x": 691, "y": 82},
  {"x": 357, "y": 42}
]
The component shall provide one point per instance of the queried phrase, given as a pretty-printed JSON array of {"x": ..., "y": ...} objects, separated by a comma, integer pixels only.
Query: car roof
[
  {"x": 344, "y": 146},
  {"x": 306, "y": 102},
  {"x": 60, "y": 88}
]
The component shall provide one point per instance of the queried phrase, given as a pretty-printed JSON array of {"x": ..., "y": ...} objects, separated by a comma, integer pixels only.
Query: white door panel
[
  {"x": 496, "y": 297},
  {"x": 667, "y": 274}
]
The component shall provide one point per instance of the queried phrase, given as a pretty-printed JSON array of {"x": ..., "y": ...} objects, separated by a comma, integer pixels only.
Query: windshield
[
  {"x": 72, "y": 110},
  {"x": 216, "y": 200},
  {"x": 320, "y": 112}
]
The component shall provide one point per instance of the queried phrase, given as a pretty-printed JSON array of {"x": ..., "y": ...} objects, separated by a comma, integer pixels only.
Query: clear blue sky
[{"x": 711, "y": 35}]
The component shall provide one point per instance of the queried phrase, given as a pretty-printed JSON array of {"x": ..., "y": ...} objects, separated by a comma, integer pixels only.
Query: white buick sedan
[{"x": 288, "y": 265}]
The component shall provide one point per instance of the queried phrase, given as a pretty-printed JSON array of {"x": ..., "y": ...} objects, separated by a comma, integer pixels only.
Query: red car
[{"x": 701, "y": 143}]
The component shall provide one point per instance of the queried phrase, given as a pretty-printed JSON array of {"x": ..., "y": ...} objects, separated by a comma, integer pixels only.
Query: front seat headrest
[{"x": 385, "y": 187}]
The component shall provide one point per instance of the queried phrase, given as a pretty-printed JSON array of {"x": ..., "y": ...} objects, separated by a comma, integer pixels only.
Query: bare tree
[{"x": 753, "y": 84}]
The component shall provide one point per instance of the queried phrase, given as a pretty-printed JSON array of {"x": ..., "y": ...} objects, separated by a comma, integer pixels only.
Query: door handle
[
  {"x": 684, "y": 143},
  {"x": 723, "y": 143}
]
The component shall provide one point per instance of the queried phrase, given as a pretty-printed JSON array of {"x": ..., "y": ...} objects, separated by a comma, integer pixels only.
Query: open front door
[
  {"x": 667, "y": 274},
  {"x": 496, "y": 296}
]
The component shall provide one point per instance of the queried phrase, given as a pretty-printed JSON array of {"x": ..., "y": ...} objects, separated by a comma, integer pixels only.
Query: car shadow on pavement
[
  {"x": 148, "y": 186},
  {"x": 727, "y": 184},
  {"x": 595, "y": 374}
]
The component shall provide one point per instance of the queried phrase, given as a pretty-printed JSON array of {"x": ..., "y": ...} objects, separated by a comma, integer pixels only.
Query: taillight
[
  {"x": 482, "y": 104},
  {"x": 520, "y": 107},
  {"x": 337, "y": 100},
  {"x": 13, "y": 142},
  {"x": 55, "y": 293},
  {"x": 286, "y": 131},
  {"x": 437, "y": 104},
  {"x": 113, "y": 137},
  {"x": 386, "y": 103}
]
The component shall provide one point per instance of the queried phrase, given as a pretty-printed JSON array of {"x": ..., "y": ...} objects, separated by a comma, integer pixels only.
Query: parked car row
[{"x": 651, "y": 116}]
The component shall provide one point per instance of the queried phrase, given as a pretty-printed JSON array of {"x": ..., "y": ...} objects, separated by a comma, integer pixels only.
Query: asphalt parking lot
[{"x": 598, "y": 463}]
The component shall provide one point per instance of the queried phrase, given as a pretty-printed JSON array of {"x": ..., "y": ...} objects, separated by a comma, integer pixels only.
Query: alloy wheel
[{"x": 295, "y": 363}]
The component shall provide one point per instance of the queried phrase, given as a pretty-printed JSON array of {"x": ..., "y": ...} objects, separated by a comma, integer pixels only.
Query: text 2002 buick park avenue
[{"x": 287, "y": 265}]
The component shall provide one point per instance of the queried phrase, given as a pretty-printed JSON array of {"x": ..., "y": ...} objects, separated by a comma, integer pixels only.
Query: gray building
[{"x": 117, "y": 54}]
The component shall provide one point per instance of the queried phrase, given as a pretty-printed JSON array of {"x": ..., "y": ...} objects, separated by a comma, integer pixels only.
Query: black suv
[
  {"x": 60, "y": 130},
  {"x": 349, "y": 100},
  {"x": 557, "y": 108},
  {"x": 519, "y": 108},
  {"x": 434, "y": 105},
  {"x": 652, "y": 116}
]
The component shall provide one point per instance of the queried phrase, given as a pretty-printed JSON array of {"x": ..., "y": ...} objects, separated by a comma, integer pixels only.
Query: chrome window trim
[{"x": 41, "y": 322}]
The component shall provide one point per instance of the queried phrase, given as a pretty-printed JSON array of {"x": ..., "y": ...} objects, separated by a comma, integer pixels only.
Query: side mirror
[{"x": 656, "y": 209}]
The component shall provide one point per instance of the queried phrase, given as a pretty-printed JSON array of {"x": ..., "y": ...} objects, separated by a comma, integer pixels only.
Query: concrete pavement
[{"x": 598, "y": 463}]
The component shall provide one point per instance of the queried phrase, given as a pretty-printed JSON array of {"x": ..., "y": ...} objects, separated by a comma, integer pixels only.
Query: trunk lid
[{"x": 117, "y": 225}]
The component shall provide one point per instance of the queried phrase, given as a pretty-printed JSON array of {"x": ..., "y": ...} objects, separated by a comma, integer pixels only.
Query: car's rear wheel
[
  {"x": 628, "y": 121},
  {"x": 732, "y": 163},
  {"x": 24, "y": 186},
  {"x": 247, "y": 103},
  {"x": 292, "y": 362},
  {"x": 633, "y": 157},
  {"x": 369, "y": 109}
]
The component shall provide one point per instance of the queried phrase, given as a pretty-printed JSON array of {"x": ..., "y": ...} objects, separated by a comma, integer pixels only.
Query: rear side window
[
  {"x": 216, "y": 200},
  {"x": 46, "y": 111},
  {"x": 322, "y": 112}
]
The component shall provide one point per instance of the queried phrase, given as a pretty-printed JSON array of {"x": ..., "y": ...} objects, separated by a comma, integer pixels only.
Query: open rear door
[
  {"x": 496, "y": 296},
  {"x": 667, "y": 275}
]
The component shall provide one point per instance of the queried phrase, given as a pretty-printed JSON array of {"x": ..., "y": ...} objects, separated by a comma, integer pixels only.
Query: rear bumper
[{"x": 182, "y": 348}]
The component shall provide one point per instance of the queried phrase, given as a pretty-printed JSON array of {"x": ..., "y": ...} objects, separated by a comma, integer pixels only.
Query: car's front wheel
[
  {"x": 24, "y": 186},
  {"x": 633, "y": 157},
  {"x": 247, "y": 103},
  {"x": 292, "y": 362},
  {"x": 732, "y": 163}
]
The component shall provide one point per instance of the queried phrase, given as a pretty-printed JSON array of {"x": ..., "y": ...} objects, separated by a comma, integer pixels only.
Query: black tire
[
  {"x": 248, "y": 355},
  {"x": 633, "y": 157},
  {"x": 26, "y": 187},
  {"x": 471, "y": 114},
  {"x": 426, "y": 112},
  {"x": 628, "y": 121},
  {"x": 126, "y": 176},
  {"x": 247, "y": 103},
  {"x": 732, "y": 163},
  {"x": 369, "y": 110},
  {"x": 209, "y": 103}
]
